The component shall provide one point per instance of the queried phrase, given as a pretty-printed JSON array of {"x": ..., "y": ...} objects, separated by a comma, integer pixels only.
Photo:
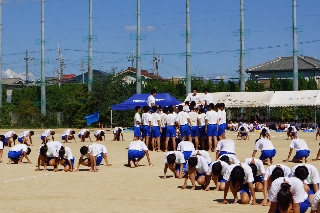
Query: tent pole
[
  {"x": 111, "y": 119},
  {"x": 315, "y": 116}
]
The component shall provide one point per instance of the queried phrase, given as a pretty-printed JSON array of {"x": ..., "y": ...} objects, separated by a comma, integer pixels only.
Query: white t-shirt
[
  {"x": 19, "y": 147},
  {"x": 226, "y": 145},
  {"x": 1, "y": 145},
  {"x": 9, "y": 134},
  {"x": 259, "y": 164},
  {"x": 296, "y": 189},
  {"x": 208, "y": 98},
  {"x": 163, "y": 119},
  {"x": 99, "y": 132},
  {"x": 316, "y": 200},
  {"x": 137, "y": 118},
  {"x": 155, "y": 118},
  {"x": 202, "y": 153},
  {"x": 248, "y": 176},
  {"x": 146, "y": 117},
  {"x": 232, "y": 159},
  {"x": 137, "y": 145},
  {"x": 46, "y": 133},
  {"x": 299, "y": 144},
  {"x": 151, "y": 100},
  {"x": 212, "y": 117},
  {"x": 293, "y": 129},
  {"x": 68, "y": 153},
  {"x": 185, "y": 146},
  {"x": 179, "y": 157},
  {"x": 202, "y": 118},
  {"x": 267, "y": 129},
  {"x": 182, "y": 118},
  {"x": 193, "y": 118},
  {"x": 286, "y": 170},
  {"x": 245, "y": 129},
  {"x": 100, "y": 148},
  {"x": 115, "y": 130},
  {"x": 91, "y": 149},
  {"x": 224, "y": 165},
  {"x": 67, "y": 132},
  {"x": 313, "y": 177},
  {"x": 264, "y": 144},
  {"x": 171, "y": 119},
  {"x": 195, "y": 98},
  {"x": 82, "y": 131},
  {"x": 224, "y": 116},
  {"x": 24, "y": 134},
  {"x": 202, "y": 166},
  {"x": 55, "y": 144},
  {"x": 220, "y": 117},
  {"x": 53, "y": 148}
]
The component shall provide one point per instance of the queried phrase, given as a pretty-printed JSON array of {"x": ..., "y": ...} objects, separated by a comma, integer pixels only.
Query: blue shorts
[
  {"x": 221, "y": 180},
  {"x": 79, "y": 135},
  {"x": 99, "y": 159},
  {"x": 146, "y": 130},
  {"x": 42, "y": 137},
  {"x": 244, "y": 134},
  {"x": 245, "y": 189},
  {"x": 14, "y": 155},
  {"x": 212, "y": 130},
  {"x": 303, "y": 206},
  {"x": 133, "y": 154},
  {"x": 136, "y": 131},
  {"x": 163, "y": 133},
  {"x": 194, "y": 131},
  {"x": 66, "y": 162},
  {"x": 199, "y": 175},
  {"x": 5, "y": 141},
  {"x": 265, "y": 154},
  {"x": 258, "y": 179},
  {"x": 20, "y": 139},
  {"x": 171, "y": 132},
  {"x": 185, "y": 130},
  {"x": 63, "y": 137},
  {"x": 203, "y": 131},
  {"x": 184, "y": 168},
  {"x": 221, "y": 129},
  {"x": 186, "y": 154},
  {"x": 225, "y": 153},
  {"x": 155, "y": 132},
  {"x": 301, "y": 154}
]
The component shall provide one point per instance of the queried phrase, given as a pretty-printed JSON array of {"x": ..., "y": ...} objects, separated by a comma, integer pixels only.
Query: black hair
[
  {"x": 191, "y": 107},
  {"x": 165, "y": 109},
  {"x": 83, "y": 150},
  {"x": 242, "y": 128},
  {"x": 53, "y": 132},
  {"x": 43, "y": 150},
  {"x": 254, "y": 169},
  {"x": 87, "y": 133},
  {"x": 73, "y": 132},
  {"x": 225, "y": 158},
  {"x": 223, "y": 105},
  {"x": 186, "y": 103},
  {"x": 290, "y": 129},
  {"x": 170, "y": 109},
  {"x": 32, "y": 132},
  {"x": 171, "y": 158},
  {"x": 201, "y": 110},
  {"x": 237, "y": 176},
  {"x": 137, "y": 108},
  {"x": 284, "y": 197},
  {"x": 102, "y": 132},
  {"x": 15, "y": 136},
  {"x": 154, "y": 108},
  {"x": 276, "y": 173},
  {"x": 2, "y": 137},
  {"x": 160, "y": 107},
  {"x": 192, "y": 161},
  {"x": 193, "y": 103},
  {"x": 153, "y": 91},
  {"x": 145, "y": 108},
  {"x": 211, "y": 106},
  {"x": 257, "y": 140},
  {"x": 28, "y": 150},
  {"x": 194, "y": 89},
  {"x": 218, "y": 105},
  {"x": 180, "y": 108},
  {"x": 216, "y": 169},
  {"x": 205, "y": 90},
  {"x": 301, "y": 172},
  {"x": 263, "y": 131},
  {"x": 62, "y": 151}
]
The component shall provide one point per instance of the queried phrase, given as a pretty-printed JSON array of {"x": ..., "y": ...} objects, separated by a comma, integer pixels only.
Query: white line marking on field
[{"x": 24, "y": 178}]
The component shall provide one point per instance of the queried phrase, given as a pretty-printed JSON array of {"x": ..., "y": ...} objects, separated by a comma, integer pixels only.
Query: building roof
[
  {"x": 12, "y": 81},
  {"x": 144, "y": 73},
  {"x": 286, "y": 64}
]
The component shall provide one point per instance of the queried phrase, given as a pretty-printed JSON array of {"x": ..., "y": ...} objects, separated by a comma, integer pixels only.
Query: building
[
  {"x": 129, "y": 75},
  {"x": 282, "y": 68}
]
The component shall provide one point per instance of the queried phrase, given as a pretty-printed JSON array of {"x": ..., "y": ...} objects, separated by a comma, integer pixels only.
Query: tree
[
  {"x": 254, "y": 86},
  {"x": 312, "y": 84}
]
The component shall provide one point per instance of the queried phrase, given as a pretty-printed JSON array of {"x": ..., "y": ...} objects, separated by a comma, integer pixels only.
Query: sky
[{"x": 214, "y": 34}]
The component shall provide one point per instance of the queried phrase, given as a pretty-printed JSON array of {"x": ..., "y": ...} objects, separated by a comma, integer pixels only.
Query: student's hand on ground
[
  {"x": 37, "y": 169},
  {"x": 150, "y": 164},
  {"x": 108, "y": 164},
  {"x": 312, "y": 160},
  {"x": 224, "y": 202},
  {"x": 56, "y": 170},
  {"x": 184, "y": 186},
  {"x": 264, "y": 203},
  {"x": 30, "y": 162},
  {"x": 286, "y": 161},
  {"x": 253, "y": 202},
  {"x": 164, "y": 177}
]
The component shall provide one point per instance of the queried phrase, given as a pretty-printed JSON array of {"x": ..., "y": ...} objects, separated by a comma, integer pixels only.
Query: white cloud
[
  {"x": 10, "y": 73},
  {"x": 130, "y": 28},
  {"x": 134, "y": 28},
  {"x": 150, "y": 28}
]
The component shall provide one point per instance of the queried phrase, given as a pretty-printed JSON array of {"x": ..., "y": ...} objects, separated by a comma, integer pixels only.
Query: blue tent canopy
[{"x": 162, "y": 99}]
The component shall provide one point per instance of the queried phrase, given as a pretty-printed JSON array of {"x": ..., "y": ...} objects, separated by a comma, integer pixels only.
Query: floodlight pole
[
  {"x": 242, "y": 73},
  {"x": 1, "y": 53},
  {"x": 138, "y": 59},
  {"x": 188, "y": 76},
  {"x": 43, "y": 71},
  {"x": 295, "y": 45},
  {"x": 90, "y": 48}
]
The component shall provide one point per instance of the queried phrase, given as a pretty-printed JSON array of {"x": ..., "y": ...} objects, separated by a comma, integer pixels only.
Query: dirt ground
[{"x": 119, "y": 188}]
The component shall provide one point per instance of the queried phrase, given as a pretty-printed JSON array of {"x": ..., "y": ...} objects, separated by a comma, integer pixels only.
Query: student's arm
[
  {"x": 90, "y": 138},
  {"x": 185, "y": 180},
  {"x": 26, "y": 156},
  {"x": 265, "y": 193},
  {"x": 165, "y": 171},
  {"x": 217, "y": 154},
  {"x": 93, "y": 163},
  {"x": 290, "y": 152},
  {"x": 123, "y": 138},
  {"x": 44, "y": 163},
  {"x": 254, "y": 202},
  {"x": 225, "y": 193},
  {"x": 38, "y": 164},
  {"x": 180, "y": 172},
  {"x": 104, "y": 137},
  {"x": 30, "y": 139},
  {"x": 25, "y": 139},
  {"x": 273, "y": 207},
  {"x": 79, "y": 162},
  {"x": 206, "y": 125},
  {"x": 254, "y": 153},
  {"x": 52, "y": 137},
  {"x": 315, "y": 187},
  {"x": 148, "y": 157},
  {"x": 67, "y": 138}
]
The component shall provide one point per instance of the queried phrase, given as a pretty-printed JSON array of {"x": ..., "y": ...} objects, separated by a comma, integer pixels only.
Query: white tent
[
  {"x": 294, "y": 98},
  {"x": 248, "y": 99}
]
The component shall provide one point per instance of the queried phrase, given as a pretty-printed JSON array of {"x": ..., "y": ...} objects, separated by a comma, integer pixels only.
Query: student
[
  {"x": 208, "y": 99},
  {"x": 103, "y": 151},
  {"x": 218, "y": 169},
  {"x": 315, "y": 207},
  {"x": 23, "y": 138},
  {"x": 163, "y": 115},
  {"x": 220, "y": 124},
  {"x": 232, "y": 158},
  {"x": 171, "y": 123},
  {"x": 317, "y": 133},
  {"x": 18, "y": 152},
  {"x": 302, "y": 151},
  {"x": 155, "y": 130},
  {"x": 224, "y": 120},
  {"x": 267, "y": 150},
  {"x": 46, "y": 134},
  {"x": 137, "y": 123},
  {"x": 292, "y": 133},
  {"x": 309, "y": 174},
  {"x": 146, "y": 122},
  {"x": 151, "y": 99},
  {"x": 1, "y": 147},
  {"x": 136, "y": 151},
  {"x": 195, "y": 97},
  {"x": 174, "y": 160},
  {"x": 288, "y": 194},
  {"x": 99, "y": 134},
  {"x": 117, "y": 132},
  {"x": 83, "y": 134},
  {"x": 225, "y": 146},
  {"x": 202, "y": 127},
  {"x": 239, "y": 178},
  {"x": 184, "y": 122},
  {"x": 202, "y": 153},
  {"x": 66, "y": 159},
  {"x": 49, "y": 155},
  {"x": 260, "y": 173},
  {"x": 197, "y": 170},
  {"x": 194, "y": 126},
  {"x": 212, "y": 120},
  {"x": 186, "y": 147},
  {"x": 243, "y": 133},
  {"x": 265, "y": 132},
  {"x": 10, "y": 137},
  {"x": 68, "y": 135},
  {"x": 90, "y": 156}
]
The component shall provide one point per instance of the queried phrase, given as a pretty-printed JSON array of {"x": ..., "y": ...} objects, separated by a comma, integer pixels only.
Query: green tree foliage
[
  {"x": 5, "y": 115},
  {"x": 312, "y": 84},
  {"x": 254, "y": 86},
  {"x": 303, "y": 83}
]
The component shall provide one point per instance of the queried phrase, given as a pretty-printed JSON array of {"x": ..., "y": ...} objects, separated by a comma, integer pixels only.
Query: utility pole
[
  {"x": 60, "y": 64},
  {"x": 188, "y": 76},
  {"x": 242, "y": 73},
  {"x": 155, "y": 62},
  {"x": 43, "y": 71},
  {"x": 295, "y": 45},
  {"x": 1, "y": 53},
  {"x": 138, "y": 59},
  {"x": 131, "y": 58},
  {"x": 90, "y": 48},
  {"x": 27, "y": 58},
  {"x": 82, "y": 70}
]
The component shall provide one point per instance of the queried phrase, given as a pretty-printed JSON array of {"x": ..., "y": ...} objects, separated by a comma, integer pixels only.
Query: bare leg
[
  {"x": 166, "y": 144},
  {"x": 158, "y": 144},
  {"x": 147, "y": 141},
  {"x": 153, "y": 144},
  {"x": 196, "y": 142},
  {"x": 190, "y": 138},
  {"x": 1, "y": 152},
  {"x": 215, "y": 142},
  {"x": 192, "y": 176},
  {"x": 174, "y": 143},
  {"x": 202, "y": 143},
  {"x": 209, "y": 144}
]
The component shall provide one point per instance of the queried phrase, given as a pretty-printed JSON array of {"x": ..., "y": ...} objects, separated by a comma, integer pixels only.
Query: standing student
[
  {"x": 18, "y": 152},
  {"x": 156, "y": 130},
  {"x": 99, "y": 134},
  {"x": 302, "y": 151},
  {"x": 317, "y": 133},
  {"x": 208, "y": 99},
  {"x": 90, "y": 156},
  {"x": 292, "y": 133},
  {"x": 137, "y": 123},
  {"x": 1, "y": 147},
  {"x": 174, "y": 160},
  {"x": 83, "y": 134},
  {"x": 136, "y": 151},
  {"x": 195, "y": 97},
  {"x": 194, "y": 126},
  {"x": 220, "y": 123},
  {"x": 66, "y": 159},
  {"x": 146, "y": 122},
  {"x": 184, "y": 123},
  {"x": 224, "y": 119},
  {"x": 151, "y": 99},
  {"x": 260, "y": 173},
  {"x": 288, "y": 194},
  {"x": 46, "y": 134},
  {"x": 202, "y": 127},
  {"x": 10, "y": 137},
  {"x": 212, "y": 120},
  {"x": 163, "y": 115},
  {"x": 24, "y": 136},
  {"x": 171, "y": 123},
  {"x": 267, "y": 150},
  {"x": 67, "y": 135},
  {"x": 186, "y": 147},
  {"x": 225, "y": 146},
  {"x": 117, "y": 132}
]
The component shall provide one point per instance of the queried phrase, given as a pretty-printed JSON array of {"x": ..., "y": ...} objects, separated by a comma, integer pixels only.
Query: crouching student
[
  {"x": 175, "y": 161},
  {"x": 267, "y": 150},
  {"x": 265, "y": 132},
  {"x": 83, "y": 134},
  {"x": 90, "y": 157},
  {"x": 239, "y": 178},
  {"x": 243, "y": 133},
  {"x": 260, "y": 173},
  {"x": 288, "y": 195},
  {"x": 23, "y": 138},
  {"x": 225, "y": 146},
  {"x": 103, "y": 151},
  {"x": 186, "y": 147},
  {"x": 218, "y": 169},
  {"x": 18, "y": 152},
  {"x": 10, "y": 137},
  {"x": 137, "y": 150},
  {"x": 309, "y": 174},
  {"x": 315, "y": 207},
  {"x": 232, "y": 158},
  {"x": 68, "y": 135},
  {"x": 99, "y": 134},
  {"x": 49, "y": 156},
  {"x": 302, "y": 151},
  {"x": 197, "y": 170},
  {"x": 46, "y": 134},
  {"x": 66, "y": 159}
]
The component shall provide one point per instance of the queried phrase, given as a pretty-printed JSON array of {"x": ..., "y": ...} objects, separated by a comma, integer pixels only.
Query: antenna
[{"x": 27, "y": 58}]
